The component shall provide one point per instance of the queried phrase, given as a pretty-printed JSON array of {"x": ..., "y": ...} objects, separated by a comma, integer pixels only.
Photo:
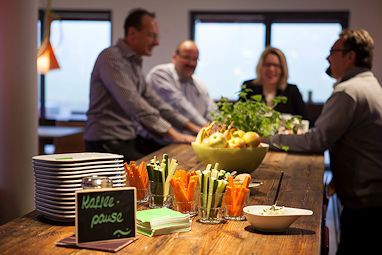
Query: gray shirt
[
  {"x": 120, "y": 100},
  {"x": 350, "y": 126},
  {"x": 188, "y": 96}
]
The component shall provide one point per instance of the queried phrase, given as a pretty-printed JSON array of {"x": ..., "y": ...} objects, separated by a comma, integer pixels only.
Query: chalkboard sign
[{"x": 105, "y": 214}]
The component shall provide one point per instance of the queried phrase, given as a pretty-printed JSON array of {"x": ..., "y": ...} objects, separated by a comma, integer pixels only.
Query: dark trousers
[
  {"x": 130, "y": 149},
  {"x": 358, "y": 231}
]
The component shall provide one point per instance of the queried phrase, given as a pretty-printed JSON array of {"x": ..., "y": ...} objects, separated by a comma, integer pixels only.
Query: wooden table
[
  {"x": 47, "y": 134},
  {"x": 301, "y": 187}
]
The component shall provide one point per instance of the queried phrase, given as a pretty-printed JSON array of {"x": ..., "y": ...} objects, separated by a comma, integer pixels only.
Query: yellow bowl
[{"x": 243, "y": 160}]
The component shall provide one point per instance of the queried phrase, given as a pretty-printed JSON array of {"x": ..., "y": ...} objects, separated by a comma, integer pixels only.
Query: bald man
[{"x": 176, "y": 84}]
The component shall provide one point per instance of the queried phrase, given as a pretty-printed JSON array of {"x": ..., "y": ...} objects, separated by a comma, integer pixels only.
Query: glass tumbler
[
  {"x": 187, "y": 205},
  {"x": 234, "y": 206},
  {"x": 159, "y": 196},
  {"x": 211, "y": 210}
]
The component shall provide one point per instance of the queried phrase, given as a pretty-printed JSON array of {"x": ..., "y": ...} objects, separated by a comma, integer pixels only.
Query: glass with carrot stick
[
  {"x": 137, "y": 177},
  {"x": 185, "y": 191},
  {"x": 236, "y": 198}
]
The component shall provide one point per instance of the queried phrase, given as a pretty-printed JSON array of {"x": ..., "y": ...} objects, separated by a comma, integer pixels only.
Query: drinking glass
[
  {"x": 234, "y": 209},
  {"x": 211, "y": 210},
  {"x": 158, "y": 197}
]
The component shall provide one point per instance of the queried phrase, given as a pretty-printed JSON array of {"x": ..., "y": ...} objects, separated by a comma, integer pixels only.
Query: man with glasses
[
  {"x": 120, "y": 101},
  {"x": 176, "y": 84},
  {"x": 350, "y": 126}
]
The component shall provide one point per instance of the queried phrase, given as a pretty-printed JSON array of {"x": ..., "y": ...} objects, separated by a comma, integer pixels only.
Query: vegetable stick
[
  {"x": 228, "y": 199},
  {"x": 246, "y": 181},
  {"x": 138, "y": 180},
  {"x": 144, "y": 174},
  {"x": 191, "y": 190}
]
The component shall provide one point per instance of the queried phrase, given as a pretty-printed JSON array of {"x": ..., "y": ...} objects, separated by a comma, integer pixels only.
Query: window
[
  {"x": 230, "y": 45},
  {"x": 77, "y": 39}
]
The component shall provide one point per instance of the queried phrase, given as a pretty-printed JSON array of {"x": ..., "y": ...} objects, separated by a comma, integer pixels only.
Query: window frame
[
  {"x": 88, "y": 15},
  {"x": 269, "y": 17}
]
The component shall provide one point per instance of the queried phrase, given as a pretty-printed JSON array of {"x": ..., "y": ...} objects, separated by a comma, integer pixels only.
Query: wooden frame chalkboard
[{"x": 105, "y": 214}]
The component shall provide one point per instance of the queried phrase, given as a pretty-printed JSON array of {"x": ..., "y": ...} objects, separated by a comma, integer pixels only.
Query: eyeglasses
[
  {"x": 188, "y": 58},
  {"x": 152, "y": 35},
  {"x": 334, "y": 50},
  {"x": 269, "y": 65}
]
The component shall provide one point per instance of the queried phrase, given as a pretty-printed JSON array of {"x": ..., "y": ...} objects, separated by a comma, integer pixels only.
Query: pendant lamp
[{"x": 46, "y": 60}]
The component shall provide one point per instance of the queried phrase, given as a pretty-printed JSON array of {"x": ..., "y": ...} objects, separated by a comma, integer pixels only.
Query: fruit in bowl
[
  {"x": 243, "y": 160},
  {"x": 233, "y": 149}
]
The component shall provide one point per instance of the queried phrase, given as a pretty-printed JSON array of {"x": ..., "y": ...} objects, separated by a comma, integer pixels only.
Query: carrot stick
[
  {"x": 228, "y": 199},
  {"x": 138, "y": 180},
  {"x": 143, "y": 173},
  {"x": 242, "y": 192},
  {"x": 191, "y": 190},
  {"x": 231, "y": 183},
  {"x": 181, "y": 196},
  {"x": 130, "y": 175},
  {"x": 246, "y": 181}
]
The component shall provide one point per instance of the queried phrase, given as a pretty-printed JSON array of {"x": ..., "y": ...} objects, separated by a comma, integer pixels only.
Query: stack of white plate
[{"x": 58, "y": 176}]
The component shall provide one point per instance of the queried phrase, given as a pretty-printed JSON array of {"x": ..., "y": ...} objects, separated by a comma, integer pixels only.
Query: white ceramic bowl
[{"x": 273, "y": 223}]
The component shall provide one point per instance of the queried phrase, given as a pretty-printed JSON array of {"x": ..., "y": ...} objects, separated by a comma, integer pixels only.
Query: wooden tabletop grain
[{"x": 301, "y": 187}]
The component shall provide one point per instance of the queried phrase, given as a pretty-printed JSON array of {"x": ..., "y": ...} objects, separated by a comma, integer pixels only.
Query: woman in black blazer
[{"x": 271, "y": 81}]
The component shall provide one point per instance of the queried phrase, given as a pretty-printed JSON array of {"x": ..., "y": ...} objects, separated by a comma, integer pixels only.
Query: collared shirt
[
  {"x": 350, "y": 127},
  {"x": 120, "y": 100},
  {"x": 188, "y": 96}
]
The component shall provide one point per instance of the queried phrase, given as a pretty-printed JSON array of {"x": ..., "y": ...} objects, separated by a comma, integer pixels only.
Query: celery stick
[
  {"x": 210, "y": 195},
  {"x": 171, "y": 170}
]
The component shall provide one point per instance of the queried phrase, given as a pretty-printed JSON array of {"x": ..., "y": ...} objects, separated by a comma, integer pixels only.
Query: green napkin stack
[{"x": 161, "y": 221}]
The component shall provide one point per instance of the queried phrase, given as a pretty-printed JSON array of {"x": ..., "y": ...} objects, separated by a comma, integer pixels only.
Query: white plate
[
  {"x": 54, "y": 211},
  {"x": 115, "y": 179},
  {"x": 116, "y": 174},
  {"x": 45, "y": 196},
  {"x": 273, "y": 223},
  {"x": 116, "y": 183},
  {"x": 82, "y": 168},
  {"x": 55, "y": 185},
  {"x": 68, "y": 189},
  {"x": 48, "y": 189},
  {"x": 72, "y": 173},
  {"x": 56, "y": 217},
  {"x": 79, "y": 164},
  {"x": 255, "y": 184},
  {"x": 54, "y": 202},
  {"x": 55, "y": 194},
  {"x": 55, "y": 207},
  {"x": 76, "y": 157}
]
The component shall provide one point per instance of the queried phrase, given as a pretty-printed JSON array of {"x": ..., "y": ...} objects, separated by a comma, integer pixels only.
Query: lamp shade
[{"x": 46, "y": 60}]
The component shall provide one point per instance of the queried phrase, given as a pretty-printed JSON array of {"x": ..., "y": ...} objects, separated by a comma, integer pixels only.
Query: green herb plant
[{"x": 250, "y": 114}]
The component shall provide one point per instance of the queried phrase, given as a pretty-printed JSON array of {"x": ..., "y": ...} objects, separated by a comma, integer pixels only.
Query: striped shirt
[
  {"x": 188, "y": 96},
  {"x": 120, "y": 100}
]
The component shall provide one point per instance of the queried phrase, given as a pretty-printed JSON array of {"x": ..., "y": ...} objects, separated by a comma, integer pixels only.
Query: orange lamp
[{"x": 46, "y": 60}]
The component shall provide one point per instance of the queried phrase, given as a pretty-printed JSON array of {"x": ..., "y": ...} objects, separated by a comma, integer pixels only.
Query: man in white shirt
[{"x": 176, "y": 84}]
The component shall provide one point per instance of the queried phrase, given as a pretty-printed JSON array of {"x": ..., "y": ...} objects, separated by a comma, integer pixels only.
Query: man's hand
[
  {"x": 192, "y": 127},
  {"x": 177, "y": 137}
]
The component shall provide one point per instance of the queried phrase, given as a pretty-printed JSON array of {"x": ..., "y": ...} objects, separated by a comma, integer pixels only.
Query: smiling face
[
  {"x": 340, "y": 60},
  {"x": 143, "y": 40},
  {"x": 185, "y": 59},
  {"x": 271, "y": 71}
]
